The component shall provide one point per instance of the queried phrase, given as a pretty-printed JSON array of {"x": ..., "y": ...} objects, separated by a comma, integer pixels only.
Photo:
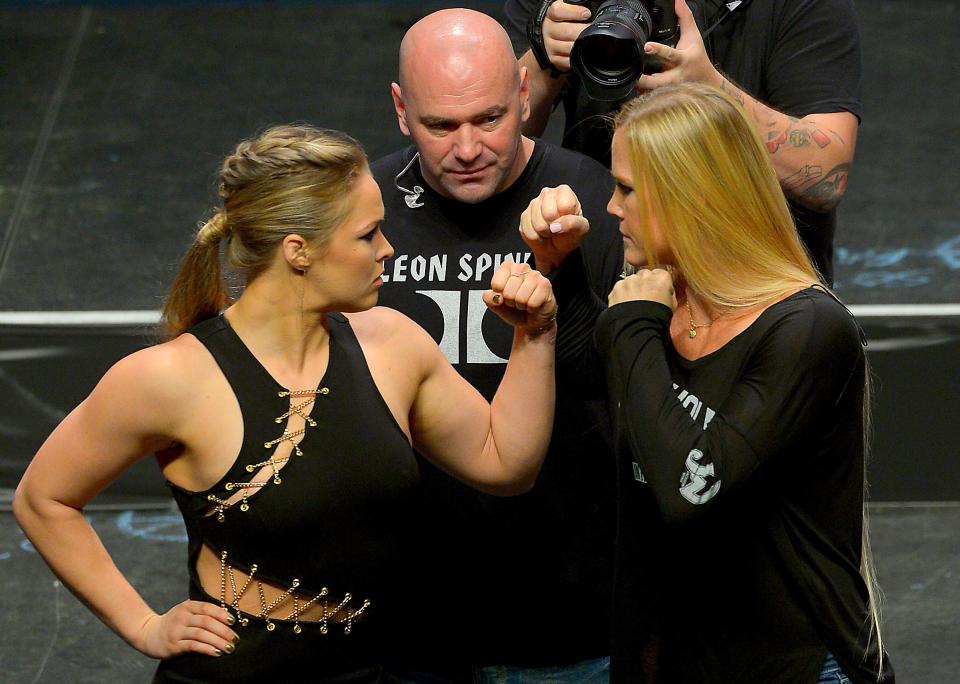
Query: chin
[
  {"x": 633, "y": 256},
  {"x": 471, "y": 193},
  {"x": 361, "y": 304}
]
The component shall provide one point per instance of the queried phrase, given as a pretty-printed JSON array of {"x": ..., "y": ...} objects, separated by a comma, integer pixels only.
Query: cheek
[
  {"x": 432, "y": 149},
  {"x": 502, "y": 141},
  {"x": 631, "y": 216}
]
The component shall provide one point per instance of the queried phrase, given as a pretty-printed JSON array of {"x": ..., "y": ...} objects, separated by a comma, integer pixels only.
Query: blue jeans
[
  {"x": 595, "y": 671},
  {"x": 831, "y": 673}
]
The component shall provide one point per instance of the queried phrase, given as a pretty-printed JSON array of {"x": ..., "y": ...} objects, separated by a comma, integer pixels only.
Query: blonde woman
[
  {"x": 285, "y": 427},
  {"x": 737, "y": 383}
]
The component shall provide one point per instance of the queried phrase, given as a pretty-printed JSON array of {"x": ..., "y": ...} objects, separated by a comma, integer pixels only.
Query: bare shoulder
[
  {"x": 389, "y": 337},
  {"x": 167, "y": 370},
  {"x": 382, "y": 325}
]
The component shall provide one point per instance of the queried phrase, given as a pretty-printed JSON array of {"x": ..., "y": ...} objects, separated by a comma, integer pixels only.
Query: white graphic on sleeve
[
  {"x": 699, "y": 482},
  {"x": 694, "y": 406}
]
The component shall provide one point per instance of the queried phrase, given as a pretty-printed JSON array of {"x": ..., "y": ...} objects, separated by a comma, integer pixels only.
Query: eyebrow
[
  {"x": 367, "y": 227},
  {"x": 621, "y": 181},
  {"x": 496, "y": 110}
]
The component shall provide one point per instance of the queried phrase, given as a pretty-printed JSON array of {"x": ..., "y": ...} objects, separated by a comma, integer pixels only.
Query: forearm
[
  {"x": 812, "y": 155},
  {"x": 521, "y": 413},
  {"x": 544, "y": 91},
  {"x": 74, "y": 552}
]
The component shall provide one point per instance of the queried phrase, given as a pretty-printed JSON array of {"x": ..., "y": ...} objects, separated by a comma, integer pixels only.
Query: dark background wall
[{"x": 114, "y": 117}]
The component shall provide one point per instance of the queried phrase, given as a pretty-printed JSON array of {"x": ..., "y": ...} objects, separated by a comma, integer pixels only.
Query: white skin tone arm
[
  {"x": 498, "y": 447},
  {"x": 152, "y": 399},
  {"x": 132, "y": 412},
  {"x": 811, "y": 155}
]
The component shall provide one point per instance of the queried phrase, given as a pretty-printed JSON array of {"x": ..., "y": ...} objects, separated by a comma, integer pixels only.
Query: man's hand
[
  {"x": 686, "y": 62},
  {"x": 561, "y": 27},
  {"x": 553, "y": 225},
  {"x": 522, "y": 297},
  {"x": 653, "y": 285}
]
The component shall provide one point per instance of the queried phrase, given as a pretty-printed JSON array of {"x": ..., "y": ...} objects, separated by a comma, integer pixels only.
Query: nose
[
  {"x": 385, "y": 249},
  {"x": 614, "y": 207},
  {"x": 467, "y": 146}
]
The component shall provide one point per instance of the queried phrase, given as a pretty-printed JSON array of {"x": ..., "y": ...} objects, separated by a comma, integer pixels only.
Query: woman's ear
[{"x": 296, "y": 252}]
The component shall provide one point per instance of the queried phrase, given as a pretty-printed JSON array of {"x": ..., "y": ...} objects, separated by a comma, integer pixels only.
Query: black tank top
[{"x": 337, "y": 515}]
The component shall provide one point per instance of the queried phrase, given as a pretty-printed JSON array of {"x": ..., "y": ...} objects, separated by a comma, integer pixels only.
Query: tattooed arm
[{"x": 812, "y": 155}]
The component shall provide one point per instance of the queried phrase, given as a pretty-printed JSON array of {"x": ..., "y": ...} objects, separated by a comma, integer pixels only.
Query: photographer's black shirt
[{"x": 798, "y": 56}]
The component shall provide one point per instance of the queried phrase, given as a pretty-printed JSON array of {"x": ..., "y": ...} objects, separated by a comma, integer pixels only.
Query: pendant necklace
[{"x": 692, "y": 332}]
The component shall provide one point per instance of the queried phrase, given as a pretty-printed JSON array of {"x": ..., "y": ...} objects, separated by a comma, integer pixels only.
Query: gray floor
[{"x": 50, "y": 637}]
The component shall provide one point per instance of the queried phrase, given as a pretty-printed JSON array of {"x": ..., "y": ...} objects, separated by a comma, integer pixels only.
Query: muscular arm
[
  {"x": 497, "y": 448},
  {"x": 126, "y": 417}
]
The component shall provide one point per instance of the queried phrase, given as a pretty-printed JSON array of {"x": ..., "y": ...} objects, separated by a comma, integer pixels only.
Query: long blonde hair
[
  {"x": 701, "y": 169},
  {"x": 292, "y": 179},
  {"x": 708, "y": 177}
]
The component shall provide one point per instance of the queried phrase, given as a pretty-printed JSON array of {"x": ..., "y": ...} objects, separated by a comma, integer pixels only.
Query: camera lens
[{"x": 608, "y": 56}]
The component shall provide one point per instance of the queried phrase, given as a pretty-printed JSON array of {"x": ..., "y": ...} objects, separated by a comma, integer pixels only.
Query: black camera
[{"x": 608, "y": 55}]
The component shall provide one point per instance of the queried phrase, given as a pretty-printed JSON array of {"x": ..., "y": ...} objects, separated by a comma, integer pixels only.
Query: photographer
[{"x": 793, "y": 64}]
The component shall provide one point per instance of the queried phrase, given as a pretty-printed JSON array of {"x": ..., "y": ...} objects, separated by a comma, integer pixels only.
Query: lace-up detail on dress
[
  {"x": 337, "y": 520},
  {"x": 297, "y": 604},
  {"x": 301, "y": 409}
]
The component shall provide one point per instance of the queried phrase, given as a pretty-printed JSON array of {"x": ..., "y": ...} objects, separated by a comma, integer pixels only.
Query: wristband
[{"x": 535, "y": 37}]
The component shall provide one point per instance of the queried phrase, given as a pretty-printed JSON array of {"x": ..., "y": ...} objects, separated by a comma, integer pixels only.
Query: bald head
[
  {"x": 458, "y": 46},
  {"x": 462, "y": 97}
]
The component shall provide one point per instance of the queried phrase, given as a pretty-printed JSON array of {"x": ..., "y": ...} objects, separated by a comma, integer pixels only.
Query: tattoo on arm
[
  {"x": 804, "y": 177},
  {"x": 734, "y": 92},
  {"x": 827, "y": 192},
  {"x": 800, "y": 137},
  {"x": 775, "y": 139},
  {"x": 822, "y": 139}
]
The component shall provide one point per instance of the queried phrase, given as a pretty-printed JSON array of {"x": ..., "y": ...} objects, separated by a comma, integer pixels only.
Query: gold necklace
[{"x": 692, "y": 332}]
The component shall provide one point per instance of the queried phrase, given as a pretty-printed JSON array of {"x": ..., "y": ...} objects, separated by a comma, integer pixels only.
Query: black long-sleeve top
[{"x": 739, "y": 497}]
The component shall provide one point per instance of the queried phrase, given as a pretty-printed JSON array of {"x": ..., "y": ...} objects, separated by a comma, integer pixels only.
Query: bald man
[{"x": 498, "y": 586}]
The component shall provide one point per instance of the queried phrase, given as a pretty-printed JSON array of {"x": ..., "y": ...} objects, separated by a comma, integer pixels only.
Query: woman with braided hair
[{"x": 285, "y": 423}]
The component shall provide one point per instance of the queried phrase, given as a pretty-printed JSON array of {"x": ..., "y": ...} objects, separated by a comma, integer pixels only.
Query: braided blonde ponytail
[{"x": 290, "y": 180}]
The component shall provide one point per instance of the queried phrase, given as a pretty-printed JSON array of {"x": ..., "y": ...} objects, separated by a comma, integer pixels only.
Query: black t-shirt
[
  {"x": 798, "y": 56},
  {"x": 740, "y": 488},
  {"x": 525, "y": 579}
]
